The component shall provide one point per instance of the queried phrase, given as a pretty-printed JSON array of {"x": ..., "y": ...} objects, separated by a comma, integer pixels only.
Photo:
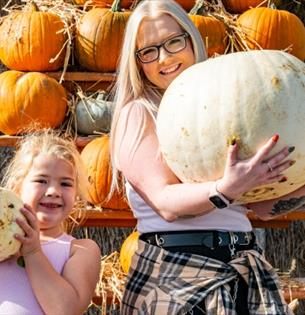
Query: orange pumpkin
[
  {"x": 212, "y": 31},
  {"x": 96, "y": 158},
  {"x": 104, "y": 3},
  {"x": 99, "y": 38},
  {"x": 268, "y": 28},
  {"x": 239, "y": 6},
  {"x": 187, "y": 5},
  {"x": 29, "y": 40},
  {"x": 30, "y": 100},
  {"x": 129, "y": 247},
  {"x": 107, "y": 3}
]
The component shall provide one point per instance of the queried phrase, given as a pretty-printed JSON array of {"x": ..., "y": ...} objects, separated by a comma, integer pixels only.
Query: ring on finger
[{"x": 270, "y": 167}]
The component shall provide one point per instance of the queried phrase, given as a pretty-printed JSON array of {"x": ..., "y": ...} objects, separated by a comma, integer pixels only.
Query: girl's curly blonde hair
[{"x": 49, "y": 142}]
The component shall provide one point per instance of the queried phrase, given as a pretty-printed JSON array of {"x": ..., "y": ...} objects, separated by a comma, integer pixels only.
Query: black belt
[{"x": 209, "y": 239}]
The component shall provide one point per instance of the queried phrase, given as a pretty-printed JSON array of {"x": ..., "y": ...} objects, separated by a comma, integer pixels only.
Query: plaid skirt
[{"x": 173, "y": 283}]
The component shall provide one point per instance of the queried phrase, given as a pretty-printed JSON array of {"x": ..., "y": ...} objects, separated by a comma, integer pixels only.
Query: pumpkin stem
[
  {"x": 116, "y": 6},
  {"x": 272, "y": 5},
  {"x": 198, "y": 8},
  {"x": 31, "y": 7}
]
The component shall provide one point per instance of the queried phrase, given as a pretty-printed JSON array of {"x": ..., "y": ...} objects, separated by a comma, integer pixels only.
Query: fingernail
[
  {"x": 233, "y": 141},
  {"x": 284, "y": 179},
  {"x": 275, "y": 138},
  {"x": 292, "y": 162},
  {"x": 291, "y": 149}
]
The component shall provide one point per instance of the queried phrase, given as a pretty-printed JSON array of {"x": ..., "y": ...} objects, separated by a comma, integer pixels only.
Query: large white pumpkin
[
  {"x": 247, "y": 95},
  {"x": 10, "y": 206}
]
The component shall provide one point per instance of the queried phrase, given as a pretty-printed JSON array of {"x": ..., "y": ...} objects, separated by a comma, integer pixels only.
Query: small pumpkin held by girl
[{"x": 47, "y": 174}]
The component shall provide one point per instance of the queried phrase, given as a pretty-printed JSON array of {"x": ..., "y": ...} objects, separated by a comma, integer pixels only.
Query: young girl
[
  {"x": 194, "y": 255},
  {"x": 60, "y": 272}
]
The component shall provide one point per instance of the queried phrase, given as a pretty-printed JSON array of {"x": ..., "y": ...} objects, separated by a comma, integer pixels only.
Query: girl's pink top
[{"x": 16, "y": 294}]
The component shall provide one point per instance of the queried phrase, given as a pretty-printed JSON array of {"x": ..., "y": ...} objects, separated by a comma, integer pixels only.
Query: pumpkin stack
[
  {"x": 270, "y": 28},
  {"x": 258, "y": 24},
  {"x": 99, "y": 37},
  {"x": 96, "y": 158},
  {"x": 212, "y": 30},
  {"x": 31, "y": 42}
]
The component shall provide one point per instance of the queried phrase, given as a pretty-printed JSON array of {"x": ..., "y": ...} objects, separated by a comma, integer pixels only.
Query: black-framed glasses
[{"x": 171, "y": 45}]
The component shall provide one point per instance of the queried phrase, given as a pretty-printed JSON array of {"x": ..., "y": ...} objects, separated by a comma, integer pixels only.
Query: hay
[
  {"x": 111, "y": 283},
  {"x": 285, "y": 249}
]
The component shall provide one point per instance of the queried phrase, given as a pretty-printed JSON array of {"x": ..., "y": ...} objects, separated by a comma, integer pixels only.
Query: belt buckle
[
  {"x": 159, "y": 241},
  {"x": 247, "y": 239},
  {"x": 233, "y": 238}
]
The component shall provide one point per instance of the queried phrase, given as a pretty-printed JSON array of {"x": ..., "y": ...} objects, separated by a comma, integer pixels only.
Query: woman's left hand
[{"x": 241, "y": 176}]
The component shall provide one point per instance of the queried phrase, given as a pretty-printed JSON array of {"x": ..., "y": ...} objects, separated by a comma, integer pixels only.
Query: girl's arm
[
  {"x": 271, "y": 209},
  {"x": 150, "y": 176},
  {"x": 66, "y": 293}
]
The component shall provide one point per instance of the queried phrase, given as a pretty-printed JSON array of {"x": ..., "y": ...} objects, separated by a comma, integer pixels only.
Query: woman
[{"x": 193, "y": 258}]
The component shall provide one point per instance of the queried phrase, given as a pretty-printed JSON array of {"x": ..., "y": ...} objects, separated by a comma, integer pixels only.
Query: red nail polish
[{"x": 275, "y": 138}]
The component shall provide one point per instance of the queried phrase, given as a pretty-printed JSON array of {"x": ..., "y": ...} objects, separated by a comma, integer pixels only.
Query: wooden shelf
[
  {"x": 279, "y": 222},
  {"x": 125, "y": 218},
  {"x": 109, "y": 218},
  {"x": 84, "y": 76},
  {"x": 11, "y": 141},
  {"x": 88, "y": 81}
]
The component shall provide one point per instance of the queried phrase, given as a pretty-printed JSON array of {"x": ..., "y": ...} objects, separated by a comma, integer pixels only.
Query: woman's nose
[{"x": 163, "y": 54}]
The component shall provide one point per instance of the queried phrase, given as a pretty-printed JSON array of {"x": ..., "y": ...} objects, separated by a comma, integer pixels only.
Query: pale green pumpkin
[
  {"x": 247, "y": 95},
  {"x": 93, "y": 114}
]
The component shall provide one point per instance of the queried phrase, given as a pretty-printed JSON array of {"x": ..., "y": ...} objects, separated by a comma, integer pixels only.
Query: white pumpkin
[
  {"x": 247, "y": 95},
  {"x": 10, "y": 206},
  {"x": 93, "y": 115}
]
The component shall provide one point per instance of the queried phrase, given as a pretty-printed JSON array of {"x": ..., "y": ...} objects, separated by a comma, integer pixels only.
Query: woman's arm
[
  {"x": 147, "y": 172},
  {"x": 66, "y": 293},
  {"x": 270, "y": 209}
]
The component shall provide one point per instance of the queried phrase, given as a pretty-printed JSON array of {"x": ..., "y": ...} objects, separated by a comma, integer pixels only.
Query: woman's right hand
[{"x": 241, "y": 176}]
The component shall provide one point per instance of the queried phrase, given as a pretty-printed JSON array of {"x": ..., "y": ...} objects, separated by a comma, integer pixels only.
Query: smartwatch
[{"x": 217, "y": 199}]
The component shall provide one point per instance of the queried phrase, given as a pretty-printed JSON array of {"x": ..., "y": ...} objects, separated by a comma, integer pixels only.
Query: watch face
[{"x": 218, "y": 202}]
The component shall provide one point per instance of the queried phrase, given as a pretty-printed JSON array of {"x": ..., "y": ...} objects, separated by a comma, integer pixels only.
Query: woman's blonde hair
[
  {"x": 50, "y": 142},
  {"x": 131, "y": 83}
]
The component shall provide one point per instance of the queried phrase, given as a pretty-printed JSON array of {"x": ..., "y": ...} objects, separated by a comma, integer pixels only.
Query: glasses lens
[
  {"x": 148, "y": 54},
  {"x": 175, "y": 44}
]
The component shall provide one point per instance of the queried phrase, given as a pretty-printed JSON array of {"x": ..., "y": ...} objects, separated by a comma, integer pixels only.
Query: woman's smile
[{"x": 170, "y": 70}]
